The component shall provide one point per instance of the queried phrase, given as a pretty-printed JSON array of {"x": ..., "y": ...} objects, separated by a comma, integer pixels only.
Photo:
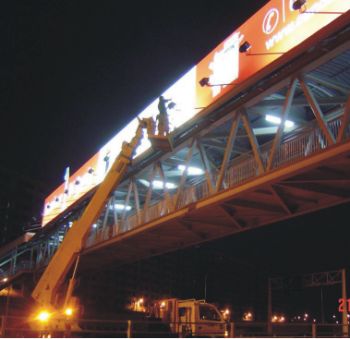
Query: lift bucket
[{"x": 161, "y": 142}]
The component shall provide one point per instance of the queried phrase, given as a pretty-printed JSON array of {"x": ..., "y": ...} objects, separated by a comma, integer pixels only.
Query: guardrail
[{"x": 19, "y": 327}]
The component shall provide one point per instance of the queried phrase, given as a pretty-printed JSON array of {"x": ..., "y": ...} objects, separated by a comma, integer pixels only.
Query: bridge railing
[{"x": 296, "y": 145}]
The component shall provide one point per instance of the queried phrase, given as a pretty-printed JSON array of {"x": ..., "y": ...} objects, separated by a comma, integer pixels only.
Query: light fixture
[
  {"x": 43, "y": 316},
  {"x": 191, "y": 170},
  {"x": 120, "y": 207},
  {"x": 68, "y": 312},
  {"x": 5, "y": 279},
  {"x": 248, "y": 316},
  {"x": 246, "y": 46},
  {"x": 94, "y": 225},
  {"x": 298, "y": 6},
  {"x": 276, "y": 120},
  {"x": 205, "y": 82},
  {"x": 158, "y": 184}
]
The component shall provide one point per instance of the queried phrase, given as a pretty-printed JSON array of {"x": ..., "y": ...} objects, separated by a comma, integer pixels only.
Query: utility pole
[
  {"x": 345, "y": 326},
  {"x": 269, "y": 307},
  {"x": 322, "y": 306}
]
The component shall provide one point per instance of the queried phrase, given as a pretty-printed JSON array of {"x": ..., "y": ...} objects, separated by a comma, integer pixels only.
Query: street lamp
[{"x": 43, "y": 316}]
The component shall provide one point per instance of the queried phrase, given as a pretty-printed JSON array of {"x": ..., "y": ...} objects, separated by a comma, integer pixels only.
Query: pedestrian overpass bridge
[{"x": 231, "y": 169}]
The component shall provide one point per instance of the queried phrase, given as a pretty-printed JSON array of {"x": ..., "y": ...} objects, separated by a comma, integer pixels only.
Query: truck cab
[{"x": 192, "y": 318}]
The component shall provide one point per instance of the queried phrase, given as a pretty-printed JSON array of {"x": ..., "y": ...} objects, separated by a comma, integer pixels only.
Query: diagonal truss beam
[
  {"x": 286, "y": 108},
  {"x": 136, "y": 199},
  {"x": 329, "y": 83},
  {"x": 228, "y": 150},
  {"x": 184, "y": 174},
  {"x": 228, "y": 211},
  {"x": 316, "y": 110},
  {"x": 319, "y": 188},
  {"x": 168, "y": 200},
  {"x": 254, "y": 205},
  {"x": 344, "y": 122},
  {"x": 253, "y": 142},
  {"x": 280, "y": 200},
  {"x": 206, "y": 165}
]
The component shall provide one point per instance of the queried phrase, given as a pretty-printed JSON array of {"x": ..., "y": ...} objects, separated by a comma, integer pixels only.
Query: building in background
[{"x": 20, "y": 204}]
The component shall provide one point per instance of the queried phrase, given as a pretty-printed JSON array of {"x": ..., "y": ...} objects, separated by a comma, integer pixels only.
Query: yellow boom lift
[{"x": 68, "y": 252}]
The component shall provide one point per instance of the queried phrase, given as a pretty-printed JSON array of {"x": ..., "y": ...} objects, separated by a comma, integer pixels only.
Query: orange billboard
[{"x": 270, "y": 33}]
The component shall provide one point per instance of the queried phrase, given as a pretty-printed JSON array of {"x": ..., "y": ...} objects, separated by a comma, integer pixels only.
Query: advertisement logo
[{"x": 271, "y": 20}]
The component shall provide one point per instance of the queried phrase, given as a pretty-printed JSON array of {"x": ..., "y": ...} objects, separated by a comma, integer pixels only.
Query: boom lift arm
[{"x": 67, "y": 253}]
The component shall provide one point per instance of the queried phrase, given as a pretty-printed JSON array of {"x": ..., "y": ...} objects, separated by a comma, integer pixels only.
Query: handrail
[{"x": 295, "y": 145}]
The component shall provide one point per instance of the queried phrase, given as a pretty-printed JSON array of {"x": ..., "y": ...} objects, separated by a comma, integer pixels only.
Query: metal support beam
[
  {"x": 116, "y": 225},
  {"x": 206, "y": 166},
  {"x": 188, "y": 225},
  {"x": 344, "y": 122},
  {"x": 169, "y": 205},
  {"x": 329, "y": 83},
  {"x": 184, "y": 174},
  {"x": 229, "y": 145},
  {"x": 284, "y": 115},
  {"x": 253, "y": 142},
  {"x": 317, "y": 111},
  {"x": 126, "y": 203},
  {"x": 345, "y": 325},
  {"x": 256, "y": 205},
  {"x": 136, "y": 199},
  {"x": 149, "y": 192},
  {"x": 228, "y": 210},
  {"x": 319, "y": 188},
  {"x": 280, "y": 200}
]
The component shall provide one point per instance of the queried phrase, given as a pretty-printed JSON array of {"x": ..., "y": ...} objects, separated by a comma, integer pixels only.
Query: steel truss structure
[{"x": 231, "y": 170}]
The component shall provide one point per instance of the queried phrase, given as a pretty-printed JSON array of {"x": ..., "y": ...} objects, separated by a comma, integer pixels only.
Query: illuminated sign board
[{"x": 274, "y": 29}]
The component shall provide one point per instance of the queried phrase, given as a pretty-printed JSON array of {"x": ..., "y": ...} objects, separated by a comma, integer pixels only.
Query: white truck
[{"x": 191, "y": 317}]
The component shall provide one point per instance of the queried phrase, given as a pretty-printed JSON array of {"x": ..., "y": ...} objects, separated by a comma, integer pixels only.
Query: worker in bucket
[{"x": 162, "y": 117}]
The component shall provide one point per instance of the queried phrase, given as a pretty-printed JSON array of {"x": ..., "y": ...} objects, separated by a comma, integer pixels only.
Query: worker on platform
[{"x": 162, "y": 117}]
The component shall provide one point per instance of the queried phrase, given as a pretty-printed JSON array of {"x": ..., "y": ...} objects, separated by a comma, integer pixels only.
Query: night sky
[{"x": 78, "y": 71}]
